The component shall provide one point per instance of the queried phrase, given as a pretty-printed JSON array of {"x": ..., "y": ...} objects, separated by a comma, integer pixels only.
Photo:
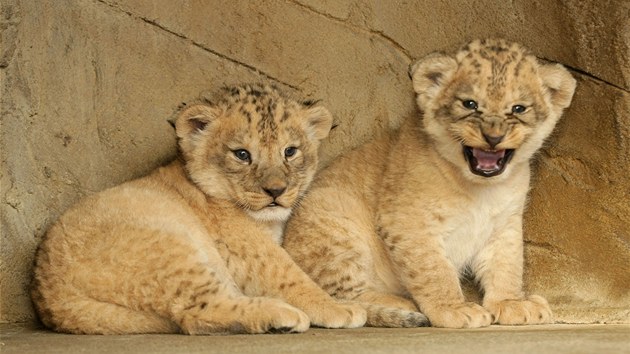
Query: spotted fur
[
  {"x": 396, "y": 222},
  {"x": 194, "y": 246}
]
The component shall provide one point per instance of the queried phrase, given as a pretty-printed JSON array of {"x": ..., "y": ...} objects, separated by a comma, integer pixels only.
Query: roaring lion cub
[
  {"x": 194, "y": 246},
  {"x": 397, "y": 222}
]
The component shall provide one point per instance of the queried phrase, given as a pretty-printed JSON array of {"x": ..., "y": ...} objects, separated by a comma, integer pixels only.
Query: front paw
[
  {"x": 338, "y": 315},
  {"x": 461, "y": 315},
  {"x": 533, "y": 310}
]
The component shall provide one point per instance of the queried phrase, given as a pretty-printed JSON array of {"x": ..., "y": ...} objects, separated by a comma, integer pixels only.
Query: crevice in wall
[
  {"x": 9, "y": 20},
  {"x": 404, "y": 52},
  {"x": 200, "y": 45},
  {"x": 590, "y": 76}
]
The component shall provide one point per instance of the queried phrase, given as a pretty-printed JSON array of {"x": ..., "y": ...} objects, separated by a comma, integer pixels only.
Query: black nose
[
  {"x": 493, "y": 140},
  {"x": 275, "y": 192}
]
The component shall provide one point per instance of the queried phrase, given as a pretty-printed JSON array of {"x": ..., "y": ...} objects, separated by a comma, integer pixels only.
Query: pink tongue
[{"x": 488, "y": 160}]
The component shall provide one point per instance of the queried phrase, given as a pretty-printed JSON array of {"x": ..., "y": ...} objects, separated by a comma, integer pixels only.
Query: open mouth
[
  {"x": 487, "y": 163},
  {"x": 273, "y": 204}
]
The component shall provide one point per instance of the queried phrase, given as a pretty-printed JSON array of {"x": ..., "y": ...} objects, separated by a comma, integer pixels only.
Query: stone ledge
[{"x": 22, "y": 338}]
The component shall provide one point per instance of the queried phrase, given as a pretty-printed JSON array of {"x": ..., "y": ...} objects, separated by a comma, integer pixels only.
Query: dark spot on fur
[
  {"x": 393, "y": 240},
  {"x": 236, "y": 327},
  {"x": 197, "y": 124},
  {"x": 434, "y": 77},
  {"x": 285, "y": 116},
  {"x": 309, "y": 103},
  {"x": 280, "y": 330},
  {"x": 330, "y": 285},
  {"x": 195, "y": 296}
]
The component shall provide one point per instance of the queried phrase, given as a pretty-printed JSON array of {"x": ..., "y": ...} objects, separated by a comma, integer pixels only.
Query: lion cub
[
  {"x": 397, "y": 222},
  {"x": 194, "y": 246}
]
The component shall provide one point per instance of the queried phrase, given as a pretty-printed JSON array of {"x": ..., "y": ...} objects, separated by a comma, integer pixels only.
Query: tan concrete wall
[{"x": 87, "y": 86}]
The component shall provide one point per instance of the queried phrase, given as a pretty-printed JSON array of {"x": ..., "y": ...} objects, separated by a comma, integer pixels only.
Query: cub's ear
[
  {"x": 559, "y": 84},
  {"x": 318, "y": 122},
  {"x": 194, "y": 119},
  {"x": 429, "y": 75}
]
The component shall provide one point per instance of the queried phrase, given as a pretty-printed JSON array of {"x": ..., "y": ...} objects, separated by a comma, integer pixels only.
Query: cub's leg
[
  {"x": 217, "y": 305},
  {"x": 499, "y": 270},
  {"x": 131, "y": 280},
  {"x": 340, "y": 250},
  {"x": 207, "y": 300},
  {"x": 267, "y": 270},
  {"x": 88, "y": 316},
  {"x": 417, "y": 251}
]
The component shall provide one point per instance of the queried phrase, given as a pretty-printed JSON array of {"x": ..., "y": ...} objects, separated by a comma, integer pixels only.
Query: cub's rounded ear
[
  {"x": 429, "y": 75},
  {"x": 559, "y": 84},
  {"x": 194, "y": 119},
  {"x": 318, "y": 121}
]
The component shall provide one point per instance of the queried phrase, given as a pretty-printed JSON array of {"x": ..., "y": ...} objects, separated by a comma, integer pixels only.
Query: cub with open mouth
[{"x": 397, "y": 222}]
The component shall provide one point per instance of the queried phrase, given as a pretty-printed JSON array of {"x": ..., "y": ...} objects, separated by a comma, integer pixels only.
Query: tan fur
[
  {"x": 194, "y": 246},
  {"x": 397, "y": 222}
]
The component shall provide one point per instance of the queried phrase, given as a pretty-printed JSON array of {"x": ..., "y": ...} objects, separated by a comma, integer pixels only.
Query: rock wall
[{"x": 87, "y": 87}]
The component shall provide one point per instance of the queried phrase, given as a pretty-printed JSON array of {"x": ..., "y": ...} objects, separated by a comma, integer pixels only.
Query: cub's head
[
  {"x": 490, "y": 106},
  {"x": 253, "y": 146}
]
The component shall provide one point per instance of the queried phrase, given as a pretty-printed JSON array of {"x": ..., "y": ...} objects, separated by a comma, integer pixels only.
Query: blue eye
[
  {"x": 242, "y": 155},
  {"x": 518, "y": 109},
  {"x": 470, "y": 104},
  {"x": 290, "y": 151}
]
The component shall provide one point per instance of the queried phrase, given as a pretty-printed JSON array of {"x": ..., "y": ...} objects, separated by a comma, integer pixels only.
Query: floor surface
[{"x": 24, "y": 339}]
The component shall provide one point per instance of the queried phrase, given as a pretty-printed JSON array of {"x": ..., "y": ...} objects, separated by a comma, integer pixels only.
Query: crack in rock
[
  {"x": 9, "y": 20},
  {"x": 380, "y": 34},
  {"x": 200, "y": 45},
  {"x": 591, "y": 76}
]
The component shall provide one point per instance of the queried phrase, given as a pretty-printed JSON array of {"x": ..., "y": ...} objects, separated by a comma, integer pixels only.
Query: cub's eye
[
  {"x": 470, "y": 104},
  {"x": 242, "y": 155},
  {"x": 518, "y": 109},
  {"x": 290, "y": 151}
]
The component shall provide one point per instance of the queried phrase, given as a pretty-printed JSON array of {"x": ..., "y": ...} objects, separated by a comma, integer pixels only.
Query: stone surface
[
  {"x": 552, "y": 339},
  {"x": 87, "y": 86}
]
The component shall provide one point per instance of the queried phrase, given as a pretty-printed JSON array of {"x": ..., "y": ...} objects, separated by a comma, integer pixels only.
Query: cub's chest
[
  {"x": 238, "y": 226},
  {"x": 469, "y": 223}
]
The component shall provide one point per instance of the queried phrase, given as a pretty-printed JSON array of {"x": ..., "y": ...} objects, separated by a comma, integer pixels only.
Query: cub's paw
[
  {"x": 338, "y": 315},
  {"x": 382, "y": 316},
  {"x": 245, "y": 315},
  {"x": 533, "y": 310},
  {"x": 280, "y": 317},
  {"x": 462, "y": 315}
]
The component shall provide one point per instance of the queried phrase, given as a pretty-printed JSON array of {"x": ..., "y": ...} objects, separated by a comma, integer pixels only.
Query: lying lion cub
[
  {"x": 396, "y": 222},
  {"x": 194, "y": 246}
]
